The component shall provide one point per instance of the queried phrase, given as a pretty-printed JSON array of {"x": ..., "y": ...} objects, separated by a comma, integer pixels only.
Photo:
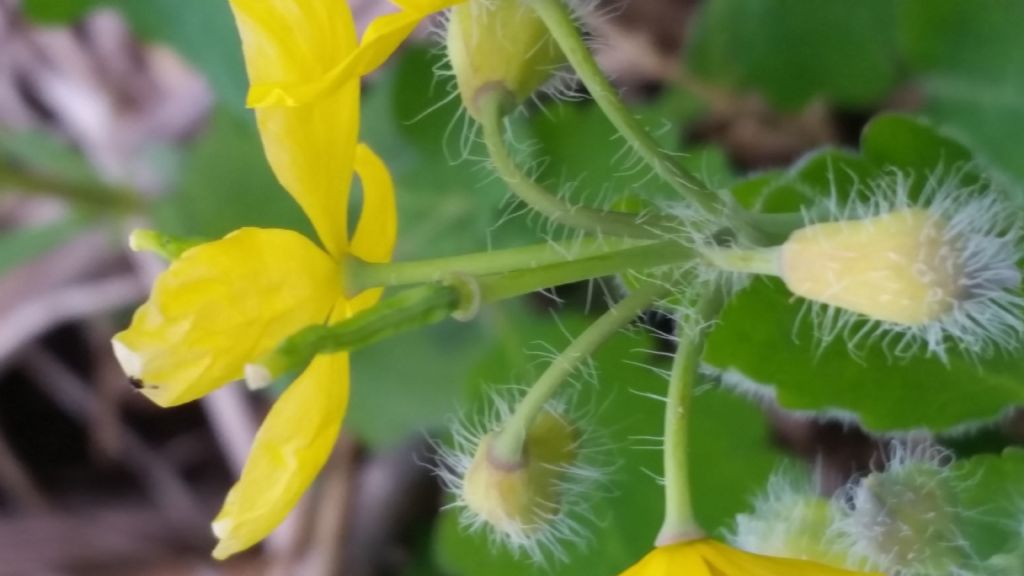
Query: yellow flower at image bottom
[{"x": 707, "y": 557}]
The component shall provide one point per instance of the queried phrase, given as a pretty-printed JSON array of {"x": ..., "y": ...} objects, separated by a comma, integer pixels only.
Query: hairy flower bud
[
  {"x": 904, "y": 520},
  {"x": 895, "y": 267},
  {"x": 791, "y": 520},
  {"x": 519, "y": 498},
  {"x": 499, "y": 45},
  {"x": 940, "y": 269}
]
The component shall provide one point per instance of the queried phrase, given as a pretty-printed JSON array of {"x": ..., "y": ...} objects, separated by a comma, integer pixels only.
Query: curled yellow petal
[
  {"x": 377, "y": 230},
  {"x": 221, "y": 305},
  {"x": 288, "y": 452},
  {"x": 374, "y": 239},
  {"x": 310, "y": 147}
]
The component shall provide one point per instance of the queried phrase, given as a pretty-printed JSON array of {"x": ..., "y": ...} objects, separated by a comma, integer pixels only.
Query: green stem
[
  {"x": 747, "y": 261},
  {"x": 91, "y": 195},
  {"x": 680, "y": 524},
  {"x": 410, "y": 309},
  {"x": 502, "y": 286},
  {"x": 602, "y": 222},
  {"x": 363, "y": 275},
  {"x": 508, "y": 442},
  {"x": 560, "y": 23},
  {"x": 460, "y": 294}
]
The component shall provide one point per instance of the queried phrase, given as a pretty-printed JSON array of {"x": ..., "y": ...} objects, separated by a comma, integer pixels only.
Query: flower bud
[
  {"x": 164, "y": 245},
  {"x": 499, "y": 45},
  {"x": 904, "y": 520},
  {"x": 521, "y": 498},
  {"x": 791, "y": 520},
  {"x": 897, "y": 267}
]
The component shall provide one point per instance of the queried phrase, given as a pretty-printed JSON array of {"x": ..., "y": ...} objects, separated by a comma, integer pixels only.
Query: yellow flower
[
  {"x": 228, "y": 302},
  {"x": 710, "y": 558}
]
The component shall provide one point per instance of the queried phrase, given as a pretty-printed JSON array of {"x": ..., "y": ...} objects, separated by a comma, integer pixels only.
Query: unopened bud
[
  {"x": 164, "y": 245},
  {"x": 499, "y": 45},
  {"x": 897, "y": 267},
  {"x": 520, "y": 498},
  {"x": 792, "y": 521},
  {"x": 904, "y": 520}
]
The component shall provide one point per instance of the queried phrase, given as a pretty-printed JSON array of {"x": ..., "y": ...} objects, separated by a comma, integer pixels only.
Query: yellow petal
[
  {"x": 381, "y": 39},
  {"x": 221, "y": 305},
  {"x": 677, "y": 560},
  {"x": 288, "y": 452},
  {"x": 309, "y": 147},
  {"x": 710, "y": 558},
  {"x": 288, "y": 41},
  {"x": 311, "y": 150},
  {"x": 374, "y": 239},
  {"x": 732, "y": 562}
]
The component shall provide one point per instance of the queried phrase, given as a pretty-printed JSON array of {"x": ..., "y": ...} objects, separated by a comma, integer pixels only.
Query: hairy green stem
[
  {"x": 560, "y": 23},
  {"x": 680, "y": 524},
  {"x": 745, "y": 260},
  {"x": 508, "y": 442},
  {"x": 647, "y": 256},
  {"x": 410, "y": 309},
  {"x": 458, "y": 294},
  {"x": 535, "y": 196},
  {"x": 362, "y": 275}
]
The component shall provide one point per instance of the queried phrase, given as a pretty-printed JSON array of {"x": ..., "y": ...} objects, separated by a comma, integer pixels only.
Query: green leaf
[
  {"x": 792, "y": 51},
  {"x": 416, "y": 125},
  {"x": 769, "y": 350},
  {"x": 226, "y": 184},
  {"x": 770, "y": 347},
  {"x": 990, "y": 490},
  {"x": 402, "y": 385},
  {"x": 969, "y": 57},
  {"x": 581, "y": 152},
  {"x": 911, "y": 144},
  {"x": 732, "y": 452}
]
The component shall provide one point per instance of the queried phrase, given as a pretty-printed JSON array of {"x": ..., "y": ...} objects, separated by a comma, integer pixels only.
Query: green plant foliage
[
  {"x": 570, "y": 136},
  {"x": 392, "y": 398},
  {"x": 989, "y": 494},
  {"x": 412, "y": 120},
  {"x": 793, "y": 51},
  {"x": 225, "y": 183},
  {"x": 763, "y": 336},
  {"x": 966, "y": 58},
  {"x": 969, "y": 59},
  {"x": 732, "y": 454}
]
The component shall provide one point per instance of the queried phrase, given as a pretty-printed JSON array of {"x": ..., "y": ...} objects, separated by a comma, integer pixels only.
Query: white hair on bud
[
  {"x": 792, "y": 519},
  {"x": 581, "y": 481},
  {"x": 904, "y": 519},
  {"x": 983, "y": 237}
]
